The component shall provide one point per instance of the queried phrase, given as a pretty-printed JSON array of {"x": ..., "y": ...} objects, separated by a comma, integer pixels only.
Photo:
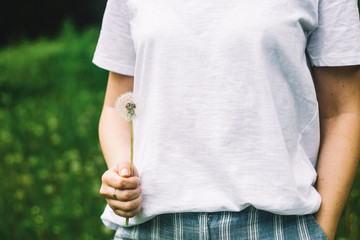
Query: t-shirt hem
[
  {"x": 112, "y": 66},
  {"x": 317, "y": 204}
]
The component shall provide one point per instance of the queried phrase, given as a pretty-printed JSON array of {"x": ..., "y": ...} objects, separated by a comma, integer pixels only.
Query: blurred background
[{"x": 51, "y": 97}]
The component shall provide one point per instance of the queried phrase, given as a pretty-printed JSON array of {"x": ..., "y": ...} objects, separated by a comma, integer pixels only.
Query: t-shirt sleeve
[
  {"x": 336, "y": 39},
  {"x": 115, "y": 48}
]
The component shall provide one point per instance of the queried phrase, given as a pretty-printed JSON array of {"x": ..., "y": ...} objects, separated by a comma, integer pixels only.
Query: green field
[{"x": 51, "y": 96}]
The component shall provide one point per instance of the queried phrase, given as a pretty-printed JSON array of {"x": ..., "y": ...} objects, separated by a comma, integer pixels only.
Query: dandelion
[{"x": 126, "y": 108}]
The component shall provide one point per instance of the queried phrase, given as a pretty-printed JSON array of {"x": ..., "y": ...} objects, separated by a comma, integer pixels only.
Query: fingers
[
  {"x": 125, "y": 209},
  {"x": 121, "y": 195},
  {"x": 127, "y": 199},
  {"x": 112, "y": 179}
]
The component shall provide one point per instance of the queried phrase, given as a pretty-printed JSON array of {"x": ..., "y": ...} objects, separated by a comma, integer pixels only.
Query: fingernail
[{"x": 124, "y": 172}]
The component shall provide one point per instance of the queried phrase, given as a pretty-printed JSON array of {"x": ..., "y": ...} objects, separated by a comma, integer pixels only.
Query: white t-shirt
[{"x": 231, "y": 114}]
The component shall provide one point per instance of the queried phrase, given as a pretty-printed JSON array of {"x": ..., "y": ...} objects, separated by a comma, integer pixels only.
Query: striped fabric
[
  {"x": 278, "y": 228},
  {"x": 303, "y": 231},
  {"x": 249, "y": 224},
  {"x": 155, "y": 229},
  {"x": 203, "y": 227},
  {"x": 224, "y": 227},
  {"x": 253, "y": 230},
  {"x": 178, "y": 226}
]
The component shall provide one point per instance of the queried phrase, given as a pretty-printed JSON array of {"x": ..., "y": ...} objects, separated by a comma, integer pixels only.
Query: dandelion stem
[
  {"x": 131, "y": 160},
  {"x": 132, "y": 149}
]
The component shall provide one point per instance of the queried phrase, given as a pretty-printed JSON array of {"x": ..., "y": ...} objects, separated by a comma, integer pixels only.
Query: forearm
[
  {"x": 338, "y": 162},
  {"x": 114, "y": 132},
  {"x": 114, "y": 135}
]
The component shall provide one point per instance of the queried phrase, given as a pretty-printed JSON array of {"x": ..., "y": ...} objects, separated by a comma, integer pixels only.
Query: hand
[{"x": 128, "y": 192}]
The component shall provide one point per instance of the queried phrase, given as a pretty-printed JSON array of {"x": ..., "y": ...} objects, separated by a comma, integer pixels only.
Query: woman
[{"x": 242, "y": 100}]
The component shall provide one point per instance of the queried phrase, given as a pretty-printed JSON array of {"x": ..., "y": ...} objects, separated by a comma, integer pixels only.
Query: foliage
[
  {"x": 51, "y": 96},
  {"x": 51, "y": 164}
]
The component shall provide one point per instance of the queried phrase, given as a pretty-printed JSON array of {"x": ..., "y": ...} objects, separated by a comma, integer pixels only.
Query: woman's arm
[
  {"x": 122, "y": 192},
  {"x": 114, "y": 132},
  {"x": 338, "y": 92}
]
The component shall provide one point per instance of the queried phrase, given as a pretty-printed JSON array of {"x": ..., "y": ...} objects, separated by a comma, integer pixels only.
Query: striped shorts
[{"x": 250, "y": 223}]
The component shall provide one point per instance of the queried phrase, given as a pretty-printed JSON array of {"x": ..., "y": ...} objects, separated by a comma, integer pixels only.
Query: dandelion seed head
[{"x": 126, "y": 106}]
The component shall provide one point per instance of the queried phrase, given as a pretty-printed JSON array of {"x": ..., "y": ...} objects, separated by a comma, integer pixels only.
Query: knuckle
[
  {"x": 104, "y": 176},
  {"x": 119, "y": 213},
  {"x": 114, "y": 208},
  {"x": 138, "y": 210},
  {"x": 128, "y": 206},
  {"x": 131, "y": 214},
  {"x": 139, "y": 190},
  {"x": 101, "y": 191},
  {"x": 121, "y": 183},
  {"x": 136, "y": 180},
  {"x": 126, "y": 195}
]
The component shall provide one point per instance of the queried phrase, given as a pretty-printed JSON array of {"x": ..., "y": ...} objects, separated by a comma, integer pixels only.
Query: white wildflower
[{"x": 127, "y": 106}]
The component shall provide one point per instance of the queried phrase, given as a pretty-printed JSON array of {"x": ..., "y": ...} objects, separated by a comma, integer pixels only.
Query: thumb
[{"x": 124, "y": 169}]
